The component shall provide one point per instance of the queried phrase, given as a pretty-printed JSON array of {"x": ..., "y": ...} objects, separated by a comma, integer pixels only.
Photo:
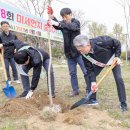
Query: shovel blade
[
  {"x": 9, "y": 91},
  {"x": 77, "y": 104},
  {"x": 81, "y": 101}
]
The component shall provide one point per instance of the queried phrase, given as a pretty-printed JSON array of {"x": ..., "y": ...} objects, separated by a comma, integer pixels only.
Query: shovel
[
  {"x": 9, "y": 91},
  {"x": 86, "y": 99}
]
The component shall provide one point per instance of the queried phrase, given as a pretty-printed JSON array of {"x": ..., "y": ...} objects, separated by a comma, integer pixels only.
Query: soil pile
[{"x": 20, "y": 107}]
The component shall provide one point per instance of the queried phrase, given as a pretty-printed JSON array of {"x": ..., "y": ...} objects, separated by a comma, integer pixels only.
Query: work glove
[
  {"x": 29, "y": 95},
  {"x": 117, "y": 60},
  {"x": 94, "y": 87},
  {"x": 52, "y": 22},
  {"x": 49, "y": 10},
  {"x": 1, "y": 46}
]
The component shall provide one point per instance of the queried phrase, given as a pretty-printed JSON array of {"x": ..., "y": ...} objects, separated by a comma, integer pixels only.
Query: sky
[{"x": 106, "y": 12}]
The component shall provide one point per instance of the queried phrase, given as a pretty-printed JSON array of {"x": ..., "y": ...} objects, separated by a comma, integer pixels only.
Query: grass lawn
[{"x": 107, "y": 96}]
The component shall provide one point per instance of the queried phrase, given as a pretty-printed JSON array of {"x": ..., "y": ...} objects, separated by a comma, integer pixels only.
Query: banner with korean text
[{"x": 21, "y": 21}]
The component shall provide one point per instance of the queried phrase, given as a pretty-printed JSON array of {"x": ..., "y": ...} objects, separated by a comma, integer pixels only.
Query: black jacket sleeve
[
  {"x": 36, "y": 76},
  {"x": 90, "y": 69},
  {"x": 113, "y": 44},
  {"x": 16, "y": 43},
  {"x": 117, "y": 47},
  {"x": 110, "y": 43},
  {"x": 57, "y": 27},
  {"x": 73, "y": 26},
  {"x": 8, "y": 43}
]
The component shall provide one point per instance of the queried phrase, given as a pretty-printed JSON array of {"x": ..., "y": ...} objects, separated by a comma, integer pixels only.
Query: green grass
[
  {"x": 125, "y": 124},
  {"x": 106, "y": 95},
  {"x": 8, "y": 126},
  {"x": 108, "y": 98}
]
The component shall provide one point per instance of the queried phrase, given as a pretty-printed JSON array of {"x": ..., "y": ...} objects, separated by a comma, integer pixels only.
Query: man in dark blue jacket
[
  {"x": 70, "y": 28},
  {"x": 30, "y": 57},
  {"x": 5, "y": 37},
  {"x": 100, "y": 50}
]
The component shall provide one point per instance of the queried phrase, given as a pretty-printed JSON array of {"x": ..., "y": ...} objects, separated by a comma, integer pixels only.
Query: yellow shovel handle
[
  {"x": 107, "y": 72},
  {"x": 3, "y": 63}
]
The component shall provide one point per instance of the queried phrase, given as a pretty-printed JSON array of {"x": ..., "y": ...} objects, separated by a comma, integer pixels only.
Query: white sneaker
[
  {"x": 9, "y": 82},
  {"x": 17, "y": 81}
]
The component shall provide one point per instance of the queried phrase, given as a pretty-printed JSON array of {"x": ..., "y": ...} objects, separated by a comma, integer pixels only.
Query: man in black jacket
[
  {"x": 30, "y": 57},
  {"x": 96, "y": 54},
  {"x": 5, "y": 37},
  {"x": 70, "y": 28}
]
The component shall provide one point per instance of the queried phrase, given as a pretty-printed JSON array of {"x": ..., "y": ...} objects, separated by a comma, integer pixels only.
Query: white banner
[{"x": 26, "y": 23}]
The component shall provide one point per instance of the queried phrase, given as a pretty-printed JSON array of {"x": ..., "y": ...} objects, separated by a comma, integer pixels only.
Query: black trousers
[
  {"x": 11, "y": 61},
  {"x": 119, "y": 83}
]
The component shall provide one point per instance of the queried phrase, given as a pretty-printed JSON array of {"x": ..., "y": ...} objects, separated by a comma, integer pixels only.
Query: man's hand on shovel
[
  {"x": 117, "y": 60},
  {"x": 94, "y": 87}
]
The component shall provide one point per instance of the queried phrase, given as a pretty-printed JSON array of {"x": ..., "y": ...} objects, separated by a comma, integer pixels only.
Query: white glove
[
  {"x": 54, "y": 23},
  {"x": 1, "y": 46},
  {"x": 29, "y": 95},
  {"x": 118, "y": 60}
]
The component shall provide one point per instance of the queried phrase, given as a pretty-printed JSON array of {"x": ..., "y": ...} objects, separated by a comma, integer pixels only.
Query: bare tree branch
[
  {"x": 27, "y": 2},
  {"x": 24, "y": 6},
  {"x": 96, "y": 29},
  {"x": 80, "y": 16},
  {"x": 34, "y": 6}
]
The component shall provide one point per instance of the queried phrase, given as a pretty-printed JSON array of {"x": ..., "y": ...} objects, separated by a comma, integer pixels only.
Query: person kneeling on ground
[{"x": 101, "y": 49}]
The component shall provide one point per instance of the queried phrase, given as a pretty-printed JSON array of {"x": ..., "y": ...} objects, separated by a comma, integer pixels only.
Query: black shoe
[
  {"x": 92, "y": 102},
  {"x": 123, "y": 107},
  {"x": 23, "y": 94},
  {"x": 74, "y": 94}
]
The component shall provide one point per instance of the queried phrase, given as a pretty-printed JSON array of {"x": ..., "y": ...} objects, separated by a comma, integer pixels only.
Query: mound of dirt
[
  {"x": 78, "y": 119},
  {"x": 20, "y": 107},
  {"x": 81, "y": 118}
]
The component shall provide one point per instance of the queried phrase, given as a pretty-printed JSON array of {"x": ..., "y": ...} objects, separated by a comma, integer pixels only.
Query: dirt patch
[
  {"x": 78, "y": 119},
  {"x": 20, "y": 107},
  {"x": 81, "y": 118}
]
